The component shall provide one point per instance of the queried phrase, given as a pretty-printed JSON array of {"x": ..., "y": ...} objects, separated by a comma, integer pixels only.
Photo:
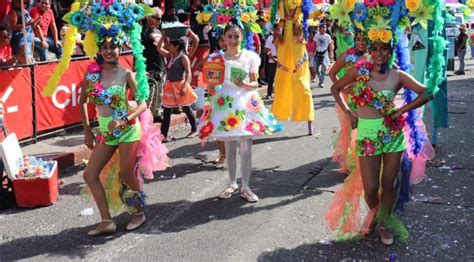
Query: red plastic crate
[{"x": 36, "y": 192}]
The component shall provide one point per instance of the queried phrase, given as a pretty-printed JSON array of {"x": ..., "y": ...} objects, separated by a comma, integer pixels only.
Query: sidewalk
[{"x": 70, "y": 150}]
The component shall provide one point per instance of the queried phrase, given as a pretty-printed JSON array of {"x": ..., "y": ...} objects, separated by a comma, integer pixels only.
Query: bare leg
[
  {"x": 128, "y": 152},
  {"x": 370, "y": 169},
  {"x": 391, "y": 167},
  {"x": 101, "y": 154}
]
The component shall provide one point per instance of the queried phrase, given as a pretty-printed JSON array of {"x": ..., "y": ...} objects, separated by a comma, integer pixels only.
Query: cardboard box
[{"x": 29, "y": 192}]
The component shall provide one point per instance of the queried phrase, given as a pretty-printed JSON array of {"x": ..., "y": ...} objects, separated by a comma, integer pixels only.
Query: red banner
[
  {"x": 15, "y": 95},
  {"x": 62, "y": 109}
]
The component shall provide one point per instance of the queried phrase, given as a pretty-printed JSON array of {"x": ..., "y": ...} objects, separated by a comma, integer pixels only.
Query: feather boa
[
  {"x": 143, "y": 90},
  {"x": 69, "y": 45}
]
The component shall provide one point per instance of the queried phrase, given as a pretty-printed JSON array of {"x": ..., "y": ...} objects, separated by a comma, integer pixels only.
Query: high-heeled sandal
[
  {"x": 107, "y": 230},
  {"x": 132, "y": 226}
]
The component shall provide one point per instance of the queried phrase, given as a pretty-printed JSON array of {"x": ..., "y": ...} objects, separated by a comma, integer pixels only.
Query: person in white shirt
[
  {"x": 271, "y": 64},
  {"x": 323, "y": 54}
]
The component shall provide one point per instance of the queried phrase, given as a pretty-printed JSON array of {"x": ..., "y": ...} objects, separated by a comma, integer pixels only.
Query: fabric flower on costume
[
  {"x": 117, "y": 132},
  {"x": 119, "y": 113},
  {"x": 127, "y": 18},
  {"x": 106, "y": 3},
  {"x": 88, "y": 24},
  {"x": 412, "y": 5},
  {"x": 387, "y": 2},
  {"x": 422, "y": 15},
  {"x": 371, "y": 3},
  {"x": 100, "y": 139},
  {"x": 254, "y": 104},
  {"x": 340, "y": 13},
  {"x": 255, "y": 127},
  {"x": 232, "y": 121},
  {"x": 93, "y": 77},
  {"x": 384, "y": 11},
  {"x": 223, "y": 102},
  {"x": 360, "y": 12},
  {"x": 208, "y": 8},
  {"x": 206, "y": 130},
  {"x": 385, "y": 35},
  {"x": 221, "y": 19},
  {"x": 228, "y": 4},
  {"x": 367, "y": 147},
  {"x": 386, "y": 138},
  {"x": 106, "y": 97},
  {"x": 98, "y": 10},
  {"x": 137, "y": 11},
  {"x": 77, "y": 19},
  {"x": 115, "y": 9},
  {"x": 378, "y": 104}
]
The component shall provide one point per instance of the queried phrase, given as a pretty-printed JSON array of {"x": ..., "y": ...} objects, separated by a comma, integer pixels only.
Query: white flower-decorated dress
[{"x": 234, "y": 112}]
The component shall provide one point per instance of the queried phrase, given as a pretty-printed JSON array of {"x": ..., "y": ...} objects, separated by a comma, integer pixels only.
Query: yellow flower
[
  {"x": 199, "y": 18},
  {"x": 412, "y": 5},
  {"x": 245, "y": 18},
  {"x": 206, "y": 17},
  {"x": 350, "y": 4},
  {"x": 373, "y": 35},
  {"x": 385, "y": 35},
  {"x": 232, "y": 121}
]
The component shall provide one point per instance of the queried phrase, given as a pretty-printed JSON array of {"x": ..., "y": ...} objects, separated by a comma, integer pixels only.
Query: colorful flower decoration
[
  {"x": 422, "y": 15},
  {"x": 232, "y": 121},
  {"x": 387, "y": 2},
  {"x": 255, "y": 127},
  {"x": 368, "y": 147},
  {"x": 100, "y": 138},
  {"x": 360, "y": 12},
  {"x": 206, "y": 130},
  {"x": 106, "y": 3},
  {"x": 223, "y": 102},
  {"x": 412, "y": 5},
  {"x": 371, "y": 3},
  {"x": 254, "y": 104}
]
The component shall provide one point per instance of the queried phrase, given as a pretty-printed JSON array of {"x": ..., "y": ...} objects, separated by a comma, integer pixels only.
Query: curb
[{"x": 76, "y": 155}]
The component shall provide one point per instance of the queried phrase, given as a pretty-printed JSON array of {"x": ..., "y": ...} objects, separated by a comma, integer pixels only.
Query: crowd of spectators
[{"x": 38, "y": 39}]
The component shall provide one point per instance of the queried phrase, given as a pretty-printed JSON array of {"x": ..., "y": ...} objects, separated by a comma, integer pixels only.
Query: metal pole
[{"x": 22, "y": 4}]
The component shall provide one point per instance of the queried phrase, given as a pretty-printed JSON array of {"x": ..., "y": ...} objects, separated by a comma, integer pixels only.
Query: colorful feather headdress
[{"x": 104, "y": 20}]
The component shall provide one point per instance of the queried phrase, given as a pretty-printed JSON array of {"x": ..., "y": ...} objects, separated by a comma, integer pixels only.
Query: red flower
[
  {"x": 206, "y": 130},
  {"x": 221, "y": 101},
  {"x": 94, "y": 68}
]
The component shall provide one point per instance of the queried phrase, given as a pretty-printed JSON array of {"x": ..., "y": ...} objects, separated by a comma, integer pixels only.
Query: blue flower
[
  {"x": 363, "y": 71},
  {"x": 119, "y": 113},
  {"x": 386, "y": 138},
  {"x": 350, "y": 58},
  {"x": 98, "y": 10},
  {"x": 102, "y": 31},
  {"x": 113, "y": 30},
  {"x": 115, "y": 9},
  {"x": 378, "y": 104},
  {"x": 106, "y": 96},
  {"x": 117, "y": 132},
  {"x": 137, "y": 11},
  {"x": 93, "y": 77},
  {"x": 88, "y": 24},
  {"x": 127, "y": 18},
  {"x": 208, "y": 8},
  {"x": 77, "y": 19},
  {"x": 360, "y": 12}
]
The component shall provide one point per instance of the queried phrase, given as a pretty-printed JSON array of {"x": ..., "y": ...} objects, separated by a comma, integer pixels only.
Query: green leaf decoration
[{"x": 254, "y": 27}]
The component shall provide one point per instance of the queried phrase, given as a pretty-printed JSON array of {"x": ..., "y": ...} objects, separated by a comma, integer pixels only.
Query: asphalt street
[{"x": 295, "y": 179}]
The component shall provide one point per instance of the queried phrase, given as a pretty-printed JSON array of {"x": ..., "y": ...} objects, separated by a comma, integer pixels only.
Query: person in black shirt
[
  {"x": 155, "y": 62},
  {"x": 195, "y": 7},
  {"x": 461, "y": 40}
]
